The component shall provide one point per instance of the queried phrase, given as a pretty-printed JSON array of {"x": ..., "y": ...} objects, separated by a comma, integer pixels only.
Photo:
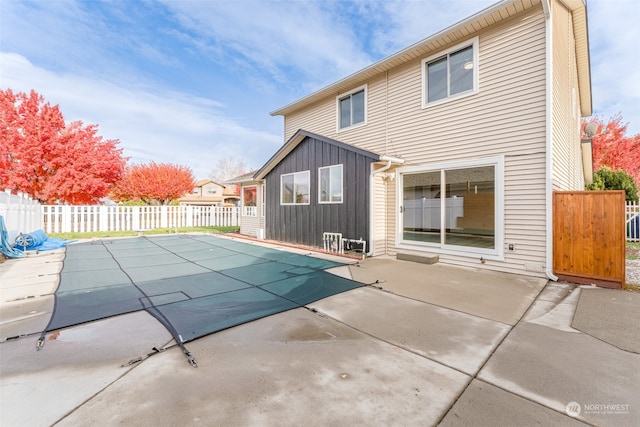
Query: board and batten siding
[
  {"x": 566, "y": 104},
  {"x": 305, "y": 224}
]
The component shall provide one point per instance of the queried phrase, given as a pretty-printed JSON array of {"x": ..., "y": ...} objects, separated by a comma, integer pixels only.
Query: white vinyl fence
[
  {"x": 21, "y": 213},
  {"x": 63, "y": 219},
  {"x": 633, "y": 222}
]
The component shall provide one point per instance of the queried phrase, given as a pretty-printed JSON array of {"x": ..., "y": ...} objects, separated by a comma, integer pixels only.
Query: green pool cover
[{"x": 194, "y": 285}]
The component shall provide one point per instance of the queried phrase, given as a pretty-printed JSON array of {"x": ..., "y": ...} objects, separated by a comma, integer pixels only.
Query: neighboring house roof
[
  {"x": 462, "y": 30},
  {"x": 295, "y": 140},
  {"x": 245, "y": 177},
  {"x": 206, "y": 181}
]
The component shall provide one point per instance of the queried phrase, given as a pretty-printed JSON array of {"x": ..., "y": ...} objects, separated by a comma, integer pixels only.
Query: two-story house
[
  {"x": 452, "y": 146},
  {"x": 209, "y": 193}
]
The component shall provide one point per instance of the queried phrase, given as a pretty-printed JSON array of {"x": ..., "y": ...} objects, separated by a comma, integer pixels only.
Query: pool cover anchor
[{"x": 156, "y": 350}]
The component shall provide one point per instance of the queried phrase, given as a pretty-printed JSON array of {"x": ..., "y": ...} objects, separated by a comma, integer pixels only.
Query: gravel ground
[
  {"x": 633, "y": 273},
  {"x": 633, "y": 269}
]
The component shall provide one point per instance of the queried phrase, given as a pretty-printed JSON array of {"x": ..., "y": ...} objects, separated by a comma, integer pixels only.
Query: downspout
[
  {"x": 372, "y": 180},
  {"x": 546, "y": 6}
]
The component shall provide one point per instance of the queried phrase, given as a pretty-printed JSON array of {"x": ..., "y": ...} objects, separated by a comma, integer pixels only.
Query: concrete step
[{"x": 417, "y": 256}]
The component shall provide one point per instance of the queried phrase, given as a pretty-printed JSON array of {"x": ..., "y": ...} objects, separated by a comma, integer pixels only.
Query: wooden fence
[
  {"x": 62, "y": 218},
  {"x": 589, "y": 237},
  {"x": 633, "y": 221}
]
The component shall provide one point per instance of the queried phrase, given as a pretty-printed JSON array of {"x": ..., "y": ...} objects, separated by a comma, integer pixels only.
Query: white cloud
[
  {"x": 615, "y": 62},
  {"x": 152, "y": 124},
  {"x": 275, "y": 39}
]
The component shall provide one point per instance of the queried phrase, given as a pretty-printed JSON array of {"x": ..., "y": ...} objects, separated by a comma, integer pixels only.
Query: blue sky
[{"x": 189, "y": 82}]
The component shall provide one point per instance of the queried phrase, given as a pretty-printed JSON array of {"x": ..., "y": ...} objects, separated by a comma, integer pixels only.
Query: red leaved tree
[
  {"x": 51, "y": 161},
  {"x": 154, "y": 183},
  {"x": 614, "y": 149}
]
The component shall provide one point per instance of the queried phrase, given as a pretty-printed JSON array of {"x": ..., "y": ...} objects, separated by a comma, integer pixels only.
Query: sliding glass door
[
  {"x": 421, "y": 207},
  {"x": 451, "y": 206}
]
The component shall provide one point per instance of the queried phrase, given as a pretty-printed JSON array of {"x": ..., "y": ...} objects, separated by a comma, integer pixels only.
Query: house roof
[
  {"x": 492, "y": 15},
  {"x": 295, "y": 140},
  {"x": 245, "y": 177},
  {"x": 206, "y": 181}
]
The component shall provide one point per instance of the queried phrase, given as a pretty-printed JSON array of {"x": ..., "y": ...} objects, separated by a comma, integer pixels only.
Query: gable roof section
[
  {"x": 295, "y": 140},
  {"x": 463, "y": 30},
  {"x": 206, "y": 181}
]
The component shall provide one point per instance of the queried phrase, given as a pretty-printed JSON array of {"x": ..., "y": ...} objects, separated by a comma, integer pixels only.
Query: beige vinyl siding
[
  {"x": 380, "y": 212},
  {"x": 249, "y": 225},
  {"x": 567, "y": 164},
  {"x": 506, "y": 117},
  {"x": 392, "y": 209}
]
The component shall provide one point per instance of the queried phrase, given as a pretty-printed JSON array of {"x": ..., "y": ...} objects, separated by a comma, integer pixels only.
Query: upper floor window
[
  {"x": 294, "y": 188},
  {"x": 452, "y": 74},
  {"x": 330, "y": 184},
  {"x": 352, "y": 108}
]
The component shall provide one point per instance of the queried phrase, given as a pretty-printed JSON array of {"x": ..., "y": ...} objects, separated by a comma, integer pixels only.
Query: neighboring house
[
  {"x": 452, "y": 146},
  {"x": 209, "y": 193}
]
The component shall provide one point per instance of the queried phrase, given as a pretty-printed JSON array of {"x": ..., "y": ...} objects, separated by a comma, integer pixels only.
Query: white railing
[
  {"x": 249, "y": 211},
  {"x": 633, "y": 222},
  {"x": 21, "y": 213},
  {"x": 64, "y": 219}
]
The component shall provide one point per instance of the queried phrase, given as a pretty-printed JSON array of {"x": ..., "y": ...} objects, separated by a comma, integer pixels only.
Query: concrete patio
[{"x": 423, "y": 345}]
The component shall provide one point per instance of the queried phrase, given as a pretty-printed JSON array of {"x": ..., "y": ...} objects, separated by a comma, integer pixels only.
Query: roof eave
[
  {"x": 292, "y": 143},
  {"x": 578, "y": 10},
  {"x": 465, "y": 28}
]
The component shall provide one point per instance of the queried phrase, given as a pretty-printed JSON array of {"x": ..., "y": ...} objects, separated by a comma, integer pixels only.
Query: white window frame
[
  {"x": 249, "y": 210},
  {"x": 263, "y": 205},
  {"x": 497, "y": 253},
  {"x": 338, "y": 115},
  {"x": 330, "y": 168},
  {"x": 308, "y": 174},
  {"x": 474, "y": 42}
]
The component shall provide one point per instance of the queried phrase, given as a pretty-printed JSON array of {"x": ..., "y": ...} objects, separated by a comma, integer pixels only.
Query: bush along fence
[
  {"x": 633, "y": 222},
  {"x": 80, "y": 219},
  {"x": 21, "y": 213}
]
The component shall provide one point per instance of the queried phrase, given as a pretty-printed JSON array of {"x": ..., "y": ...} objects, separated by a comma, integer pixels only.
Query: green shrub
[{"x": 606, "y": 179}]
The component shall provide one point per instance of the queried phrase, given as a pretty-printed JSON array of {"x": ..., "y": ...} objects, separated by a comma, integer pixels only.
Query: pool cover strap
[{"x": 194, "y": 285}]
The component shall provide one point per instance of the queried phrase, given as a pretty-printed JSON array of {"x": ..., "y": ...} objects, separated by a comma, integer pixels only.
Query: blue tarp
[
  {"x": 5, "y": 246},
  {"x": 38, "y": 240}
]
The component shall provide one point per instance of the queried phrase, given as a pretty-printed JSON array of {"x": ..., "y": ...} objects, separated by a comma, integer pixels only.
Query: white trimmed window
[
  {"x": 249, "y": 199},
  {"x": 294, "y": 188},
  {"x": 352, "y": 108},
  {"x": 330, "y": 184},
  {"x": 450, "y": 75}
]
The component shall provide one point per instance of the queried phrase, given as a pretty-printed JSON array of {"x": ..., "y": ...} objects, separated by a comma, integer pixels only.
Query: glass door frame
[{"x": 496, "y": 253}]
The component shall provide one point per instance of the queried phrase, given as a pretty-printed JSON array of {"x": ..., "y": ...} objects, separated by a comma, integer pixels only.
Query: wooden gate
[{"x": 589, "y": 237}]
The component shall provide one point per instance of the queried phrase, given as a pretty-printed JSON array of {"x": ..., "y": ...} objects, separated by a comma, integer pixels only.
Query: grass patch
[
  {"x": 101, "y": 234},
  {"x": 633, "y": 251}
]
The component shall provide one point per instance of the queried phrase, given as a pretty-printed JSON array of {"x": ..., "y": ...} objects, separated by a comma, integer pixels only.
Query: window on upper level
[
  {"x": 330, "y": 184},
  {"x": 450, "y": 75},
  {"x": 352, "y": 108}
]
